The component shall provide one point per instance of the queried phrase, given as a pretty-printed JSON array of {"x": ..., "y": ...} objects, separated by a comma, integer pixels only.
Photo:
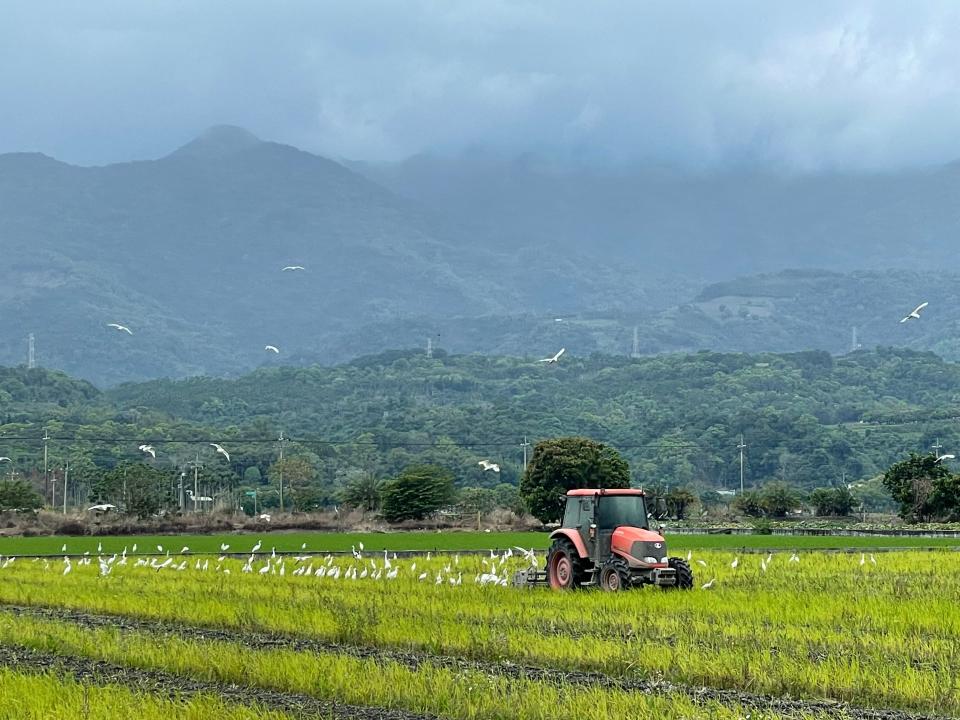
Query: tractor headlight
[
  {"x": 651, "y": 560},
  {"x": 664, "y": 560}
]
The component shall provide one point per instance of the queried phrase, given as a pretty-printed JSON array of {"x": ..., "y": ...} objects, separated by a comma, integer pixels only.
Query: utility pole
[
  {"x": 741, "y": 447},
  {"x": 937, "y": 447},
  {"x": 46, "y": 476},
  {"x": 196, "y": 480},
  {"x": 854, "y": 341},
  {"x": 66, "y": 475},
  {"x": 196, "y": 465},
  {"x": 281, "y": 466},
  {"x": 429, "y": 347},
  {"x": 635, "y": 353},
  {"x": 31, "y": 352},
  {"x": 525, "y": 445},
  {"x": 53, "y": 490}
]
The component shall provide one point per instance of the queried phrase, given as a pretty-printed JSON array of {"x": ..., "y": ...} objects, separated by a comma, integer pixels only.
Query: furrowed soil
[
  {"x": 99, "y": 673},
  {"x": 257, "y": 640}
]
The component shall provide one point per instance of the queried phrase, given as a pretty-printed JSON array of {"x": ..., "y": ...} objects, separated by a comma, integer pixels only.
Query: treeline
[{"x": 807, "y": 419}]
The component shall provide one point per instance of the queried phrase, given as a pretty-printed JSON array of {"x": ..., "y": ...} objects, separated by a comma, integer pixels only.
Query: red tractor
[{"x": 606, "y": 540}]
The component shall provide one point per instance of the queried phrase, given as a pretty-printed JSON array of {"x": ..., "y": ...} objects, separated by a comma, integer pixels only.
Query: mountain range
[{"x": 473, "y": 253}]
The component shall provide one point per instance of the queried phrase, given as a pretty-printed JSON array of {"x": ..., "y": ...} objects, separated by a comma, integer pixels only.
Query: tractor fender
[{"x": 573, "y": 536}]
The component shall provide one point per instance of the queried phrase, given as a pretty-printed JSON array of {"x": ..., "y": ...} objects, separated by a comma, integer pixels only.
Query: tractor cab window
[
  {"x": 578, "y": 512},
  {"x": 622, "y": 510}
]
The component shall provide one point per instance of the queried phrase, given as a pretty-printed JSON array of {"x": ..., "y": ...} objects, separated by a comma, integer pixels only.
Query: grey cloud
[{"x": 820, "y": 85}]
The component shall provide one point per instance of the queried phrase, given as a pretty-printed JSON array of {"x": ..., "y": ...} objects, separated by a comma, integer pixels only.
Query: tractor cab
[{"x": 605, "y": 539}]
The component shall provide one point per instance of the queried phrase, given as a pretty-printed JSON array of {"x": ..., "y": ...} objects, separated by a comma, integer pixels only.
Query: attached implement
[{"x": 606, "y": 541}]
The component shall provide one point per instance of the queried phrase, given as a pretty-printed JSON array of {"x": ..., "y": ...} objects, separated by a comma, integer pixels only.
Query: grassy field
[
  {"x": 43, "y": 696},
  {"x": 426, "y": 636},
  {"x": 432, "y": 541}
]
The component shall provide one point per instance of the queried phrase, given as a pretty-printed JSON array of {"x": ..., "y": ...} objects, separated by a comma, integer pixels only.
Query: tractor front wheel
[
  {"x": 614, "y": 576},
  {"x": 564, "y": 567},
  {"x": 684, "y": 574}
]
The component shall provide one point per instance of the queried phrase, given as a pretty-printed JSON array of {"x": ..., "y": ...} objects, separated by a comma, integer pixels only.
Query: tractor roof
[{"x": 600, "y": 491}]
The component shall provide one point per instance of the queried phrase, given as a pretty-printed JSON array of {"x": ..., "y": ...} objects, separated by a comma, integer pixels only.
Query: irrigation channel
[{"x": 165, "y": 683}]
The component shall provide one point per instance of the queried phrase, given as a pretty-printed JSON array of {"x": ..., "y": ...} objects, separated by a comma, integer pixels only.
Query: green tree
[
  {"x": 477, "y": 500},
  {"x": 710, "y": 499},
  {"x": 18, "y": 495},
  {"x": 832, "y": 501},
  {"x": 136, "y": 487},
  {"x": 416, "y": 492},
  {"x": 922, "y": 487},
  {"x": 749, "y": 503},
  {"x": 297, "y": 473},
  {"x": 508, "y": 496},
  {"x": 563, "y": 464},
  {"x": 679, "y": 501},
  {"x": 779, "y": 498},
  {"x": 361, "y": 490}
]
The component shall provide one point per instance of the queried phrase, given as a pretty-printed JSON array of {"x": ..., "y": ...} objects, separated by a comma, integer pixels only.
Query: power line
[{"x": 309, "y": 441}]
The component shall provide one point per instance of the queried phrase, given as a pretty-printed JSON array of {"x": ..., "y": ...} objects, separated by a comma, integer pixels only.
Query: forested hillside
[
  {"x": 187, "y": 252},
  {"x": 808, "y": 418}
]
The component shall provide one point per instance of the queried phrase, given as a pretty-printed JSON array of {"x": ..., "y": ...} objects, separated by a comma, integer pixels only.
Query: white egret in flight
[
  {"x": 915, "y": 315},
  {"x": 555, "y": 358},
  {"x": 221, "y": 451}
]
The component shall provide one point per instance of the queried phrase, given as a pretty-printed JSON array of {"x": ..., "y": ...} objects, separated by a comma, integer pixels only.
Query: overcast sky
[{"x": 805, "y": 86}]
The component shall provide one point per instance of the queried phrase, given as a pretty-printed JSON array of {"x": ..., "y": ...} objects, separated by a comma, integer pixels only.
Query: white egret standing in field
[
  {"x": 708, "y": 585},
  {"x": 736, "y": 561}
]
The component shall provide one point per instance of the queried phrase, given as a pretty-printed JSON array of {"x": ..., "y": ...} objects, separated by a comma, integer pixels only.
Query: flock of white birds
[
  {"x": 496, "y": 570},
  {"x": 300, "y": 268}
]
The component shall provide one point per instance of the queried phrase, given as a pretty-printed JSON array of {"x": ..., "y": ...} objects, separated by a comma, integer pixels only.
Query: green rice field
[{"x": 804, "y": 635}]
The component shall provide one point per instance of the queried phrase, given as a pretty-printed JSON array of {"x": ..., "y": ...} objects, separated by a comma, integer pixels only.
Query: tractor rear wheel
[
  {"x": 684, "y": 574},
  {"x": 614, "y": 575},
  {"x": 564, "y": 566}
]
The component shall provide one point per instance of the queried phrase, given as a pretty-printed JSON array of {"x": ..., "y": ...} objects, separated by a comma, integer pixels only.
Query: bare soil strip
[
  {"x": 178, "y": 687},
  {"x": 412, "y": 660}
]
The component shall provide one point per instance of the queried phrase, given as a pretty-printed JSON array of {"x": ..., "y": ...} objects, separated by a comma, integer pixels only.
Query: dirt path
[
  {"x": 412, "y": 660},
  {"x": 99, "y": 673}
]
